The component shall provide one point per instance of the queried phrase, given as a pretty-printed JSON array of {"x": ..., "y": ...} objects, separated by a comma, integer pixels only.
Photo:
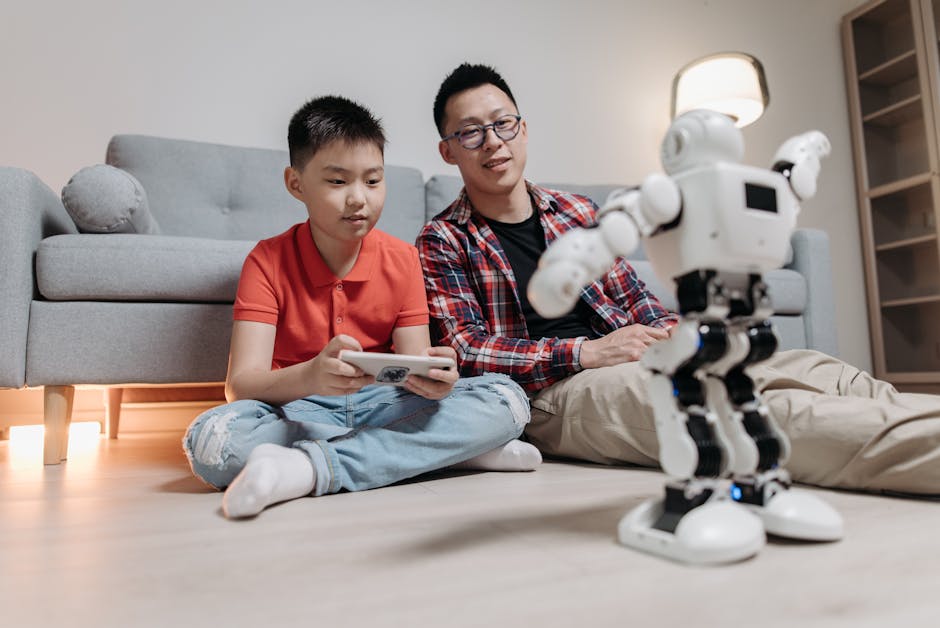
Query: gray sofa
[{"x": 123, "y": 309}]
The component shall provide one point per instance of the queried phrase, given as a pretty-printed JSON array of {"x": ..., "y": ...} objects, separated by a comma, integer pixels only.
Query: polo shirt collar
[{"x": 320, "y": 274}]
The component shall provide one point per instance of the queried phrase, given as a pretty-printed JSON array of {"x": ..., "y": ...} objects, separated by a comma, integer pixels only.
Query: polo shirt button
[
  {"x": 339, "y": 319},
  {"x": 339, "y": 286}
]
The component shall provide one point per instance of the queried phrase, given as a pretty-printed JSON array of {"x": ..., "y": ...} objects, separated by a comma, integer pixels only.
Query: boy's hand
[
  {"x": 332, "y": 376},
  {"x": 439, "y": 382}
]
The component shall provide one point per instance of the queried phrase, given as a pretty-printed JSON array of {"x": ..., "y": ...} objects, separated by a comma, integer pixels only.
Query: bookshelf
[{"x": 892, "y": 70}]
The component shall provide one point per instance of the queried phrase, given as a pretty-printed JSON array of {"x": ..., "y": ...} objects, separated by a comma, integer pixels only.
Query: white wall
[{"x": 591, "y": 76}]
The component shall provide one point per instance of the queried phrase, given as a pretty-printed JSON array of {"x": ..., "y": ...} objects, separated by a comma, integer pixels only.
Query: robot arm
[
  {"x": 655, "y": 203},
  {"x": 580, "y": 256},
  {"x": 798, "y": 160}
]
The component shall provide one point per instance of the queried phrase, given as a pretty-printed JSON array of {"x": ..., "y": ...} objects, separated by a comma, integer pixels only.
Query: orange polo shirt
[{"x": 285, "y": 282}]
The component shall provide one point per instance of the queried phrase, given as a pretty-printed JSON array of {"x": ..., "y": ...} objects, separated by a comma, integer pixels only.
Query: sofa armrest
[
  {"x": 811, "y": 258},
  {"x": 29, "y": 212}
]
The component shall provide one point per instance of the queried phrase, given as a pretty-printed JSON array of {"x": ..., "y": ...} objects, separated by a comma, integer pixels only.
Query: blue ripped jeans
[{"x": 377, "y": 436}]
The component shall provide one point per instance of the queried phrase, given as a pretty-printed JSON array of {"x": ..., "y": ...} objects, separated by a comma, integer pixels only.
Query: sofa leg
[
  {"x": 57, "y": 411},
  {"x": 113, "y": 409}
]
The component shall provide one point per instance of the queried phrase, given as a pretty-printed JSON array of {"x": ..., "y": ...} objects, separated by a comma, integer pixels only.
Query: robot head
[{"x": 698, "y": 138}]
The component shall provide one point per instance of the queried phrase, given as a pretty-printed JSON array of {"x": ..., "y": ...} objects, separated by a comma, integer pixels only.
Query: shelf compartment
[
  {"x": 900, "y": 244},
  {"x": 912, "y": 337},
  {"x": 893, "y": 71},
  {"x": 913, "y": 301},
  {"x": 882, "y": 34},
  {"x": 889, "y": 84},
  {"x": 897, "y": 113},
  {"x": 899, "y": 185},
  {"x": 903, "y": 217},
  {"x": 910, "y": 272},
  {"x": 893, "y": 153}
]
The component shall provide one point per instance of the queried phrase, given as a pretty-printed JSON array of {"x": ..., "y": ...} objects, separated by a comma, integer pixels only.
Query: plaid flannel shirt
[{"x": 475, "y": 305}]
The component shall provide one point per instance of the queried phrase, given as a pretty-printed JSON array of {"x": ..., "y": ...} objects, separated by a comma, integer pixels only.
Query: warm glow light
[
  {"x": 26, "y": 441},
  {"x": 732, "y": 83}
]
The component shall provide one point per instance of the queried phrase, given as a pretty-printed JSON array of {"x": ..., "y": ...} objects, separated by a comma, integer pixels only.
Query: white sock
[
  {"x": 272, "y": 474},
  {"x": 515, "y": 455}
]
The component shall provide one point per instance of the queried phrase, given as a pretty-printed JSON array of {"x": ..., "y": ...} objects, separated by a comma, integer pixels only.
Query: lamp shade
[{"x": 732, "y": 83}]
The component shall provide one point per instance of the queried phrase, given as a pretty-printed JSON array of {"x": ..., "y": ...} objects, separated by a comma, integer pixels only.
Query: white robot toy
[{"x": 710, "y": 228}]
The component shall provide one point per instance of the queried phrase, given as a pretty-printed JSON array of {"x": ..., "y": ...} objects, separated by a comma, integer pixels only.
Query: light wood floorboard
[{"x": 125, "y": 536}]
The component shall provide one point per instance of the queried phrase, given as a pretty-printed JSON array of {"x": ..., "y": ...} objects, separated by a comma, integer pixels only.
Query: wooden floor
[{"x": 123, "y": 535}]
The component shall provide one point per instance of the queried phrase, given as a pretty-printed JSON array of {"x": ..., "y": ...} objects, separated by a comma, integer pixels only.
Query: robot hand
[
  {"x": 581, "y": 256},
  {"x": 798, "y": 160}
]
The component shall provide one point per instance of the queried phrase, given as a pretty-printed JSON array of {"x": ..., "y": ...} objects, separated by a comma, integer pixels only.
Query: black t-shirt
[{"x": 523, "y": 243}]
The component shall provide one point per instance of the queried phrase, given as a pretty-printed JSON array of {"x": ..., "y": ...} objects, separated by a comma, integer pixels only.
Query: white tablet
[{"x": 393, "y": 368}]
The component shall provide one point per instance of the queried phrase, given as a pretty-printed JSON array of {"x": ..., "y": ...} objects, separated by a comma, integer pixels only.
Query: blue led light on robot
[{"x": 735, "y": 492}]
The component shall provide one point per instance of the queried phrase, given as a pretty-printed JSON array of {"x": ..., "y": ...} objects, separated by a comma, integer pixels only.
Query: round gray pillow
[{"x": 105, "y": 199}]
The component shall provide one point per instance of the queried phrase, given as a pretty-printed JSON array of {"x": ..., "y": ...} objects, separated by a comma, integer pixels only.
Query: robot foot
[
  {"x": 795, "y": 514},
  {"x": 718, "y": 531}
]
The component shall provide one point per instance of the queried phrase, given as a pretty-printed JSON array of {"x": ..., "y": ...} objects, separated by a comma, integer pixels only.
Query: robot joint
[
  {"x": 758, "y": 489},
  {"x": 740, "y": 387},
  {"x": 709, "y": 453},
  {"x": 697, "y": 290},
  {"x": 688, "y": 389},
  {"x": 740, "y": 307},
  {"x": 713, "y": 344},
  {"x": 768, "y": 447},
  {"x": 714, "y": 337},
  {"x": 677, "y": 504},
  {"x": 748, "y": 491},
  {"x": 784, "y": 167},
  {"x": 763, "y": 342}
]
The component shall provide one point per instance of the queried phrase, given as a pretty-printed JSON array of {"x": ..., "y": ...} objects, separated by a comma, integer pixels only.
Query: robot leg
[
  {"x": 761, "y": 447},
  {"x": 759, "y": 444},
  {"x": 692, "y": 442},
  {"x": 694, "y": 522}
]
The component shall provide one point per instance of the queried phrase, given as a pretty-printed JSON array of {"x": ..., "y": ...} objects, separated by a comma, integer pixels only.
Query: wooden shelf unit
[{"x": 893, "y": 77}]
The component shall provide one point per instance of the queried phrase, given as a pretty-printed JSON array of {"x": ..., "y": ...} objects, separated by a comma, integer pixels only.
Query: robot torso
[{"x": 734, "y": 218}]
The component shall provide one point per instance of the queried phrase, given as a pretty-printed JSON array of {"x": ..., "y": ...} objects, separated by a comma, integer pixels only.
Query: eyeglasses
[{"x": 473, "y": 136}]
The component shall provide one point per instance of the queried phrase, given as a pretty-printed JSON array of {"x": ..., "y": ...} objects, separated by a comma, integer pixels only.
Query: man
[{"x": 587, "y": 390}]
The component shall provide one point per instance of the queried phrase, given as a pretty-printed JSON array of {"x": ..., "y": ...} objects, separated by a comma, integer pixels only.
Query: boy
[
  {"x": 301, "y": 421},
  {"x": 587, "y": 389}
]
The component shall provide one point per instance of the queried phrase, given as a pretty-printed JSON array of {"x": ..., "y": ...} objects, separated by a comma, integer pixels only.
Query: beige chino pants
[{"x": 846, "y": 428}]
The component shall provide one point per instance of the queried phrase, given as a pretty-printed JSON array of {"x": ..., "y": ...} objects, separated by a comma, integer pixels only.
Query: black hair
[
  {"x": 327, "y": 119},
  {"x": 466, "y": 76}
]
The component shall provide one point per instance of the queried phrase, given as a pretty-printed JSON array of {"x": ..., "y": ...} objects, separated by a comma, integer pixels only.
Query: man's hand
[
  {"x": 332, "y": 376},
  {"x": 439, "y": 382},
  {"x": 626, "y": 344}
]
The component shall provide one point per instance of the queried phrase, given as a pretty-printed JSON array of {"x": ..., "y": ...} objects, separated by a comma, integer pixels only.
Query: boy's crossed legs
[
  {"x": 275, "y": 473},
  {"x": 266, "y": 454}
]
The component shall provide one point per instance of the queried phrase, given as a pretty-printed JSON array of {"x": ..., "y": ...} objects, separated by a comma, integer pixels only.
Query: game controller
[{"x": 393, "y": 368}]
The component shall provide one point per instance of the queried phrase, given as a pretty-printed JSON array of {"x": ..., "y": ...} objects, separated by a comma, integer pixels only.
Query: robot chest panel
[{"x": 734, "y": 218}]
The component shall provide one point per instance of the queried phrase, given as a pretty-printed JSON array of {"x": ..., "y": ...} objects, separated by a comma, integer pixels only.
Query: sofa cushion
[
  {"x": 105, "y": 199},
  {"x": 235, "y": 193},
  {"x": 128, "y": 267},
  {"x": 440, "y": 191},
  {"x": 127, "y": 343}
]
